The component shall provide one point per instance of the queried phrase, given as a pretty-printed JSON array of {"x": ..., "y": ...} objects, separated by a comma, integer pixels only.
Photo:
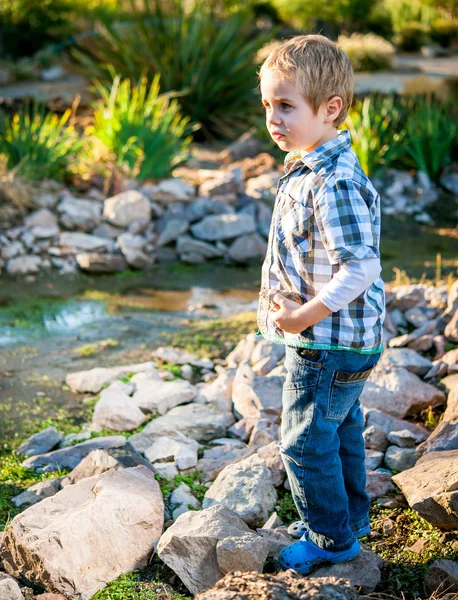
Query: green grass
[{"x": 88, "y": 350}]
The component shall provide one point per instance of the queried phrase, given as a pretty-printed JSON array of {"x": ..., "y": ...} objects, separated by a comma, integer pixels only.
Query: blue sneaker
[
  {"x": 304, "y": 556},
  {"x": 298, "y": 529}
]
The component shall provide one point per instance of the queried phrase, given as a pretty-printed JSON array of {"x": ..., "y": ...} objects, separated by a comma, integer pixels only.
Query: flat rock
[
  {"x": 161, "y": 397},
  {"x": 104, "y": 459},
  {"x": 117, "y": 411},
  {"x": 406, "y": 358},
  {"x": 388, "y": 423},
  {"x": 256, "y": 396},
  {"x": 189, "y": 245},
  {"x": 374, "y": 459},
  {"x": 243, "y": 351},
  {"x": 378, "y": 484},
  {"x": 188, "y": 547},
  {"x": 95, "y": 262},
  {"x": 171, "y": 190},
  {"x": 38, "y": 492},
  {"x": 223, "y": 227},
  {"x": 114, "y": 532},
  {"x": 69, "y": 458},
  {"x": 245, "y": 488},
  {"x": 40, "y": 442},
  {"x": 442, "y": 577},
  {"x": 430, "y": 488},
  {"x": 77, "y": 241},
  {"x": 96, "y": 379},
  {"x": 399, "y": 392},
  {"x": 24, "y": 265},
  {"x": 444, "y": 437},
  {"x": 121, "y": 210},
  {"x": 182, "y": 451},
  {"x": 175, "y": 356},
  {"x": 197, "y": 421}
]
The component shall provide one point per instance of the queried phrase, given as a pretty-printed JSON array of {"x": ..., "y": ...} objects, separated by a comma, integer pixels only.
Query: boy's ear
[{"x": 333, "y": 108}]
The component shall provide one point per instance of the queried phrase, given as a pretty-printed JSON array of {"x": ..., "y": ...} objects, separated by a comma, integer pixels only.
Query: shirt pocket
[{"x": 294, "y": 225}]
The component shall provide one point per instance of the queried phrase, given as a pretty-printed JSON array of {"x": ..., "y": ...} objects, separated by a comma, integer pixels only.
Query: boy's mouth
[{"x": 277, "y": 135}]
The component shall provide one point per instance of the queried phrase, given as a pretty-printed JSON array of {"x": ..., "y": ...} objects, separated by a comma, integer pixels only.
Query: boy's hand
[{"x": 287, "y": 314}]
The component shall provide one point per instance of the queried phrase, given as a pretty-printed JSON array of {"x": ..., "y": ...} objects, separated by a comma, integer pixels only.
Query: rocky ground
[
  {"x": 176, "y": 476},
  {"x": 199, "y": 215}
]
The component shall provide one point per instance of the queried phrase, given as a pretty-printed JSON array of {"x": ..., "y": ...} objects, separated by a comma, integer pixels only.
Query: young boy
[{"x": 322, "y": 296}]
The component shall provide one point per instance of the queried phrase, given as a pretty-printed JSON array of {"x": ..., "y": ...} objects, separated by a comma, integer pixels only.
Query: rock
[
  {"x": 429, "y": 488},
  {"x": 223, "y": 227},
  {"x": 264, "y": 432},
  {"x": 41, "y": 218},
  {"x": 406, "y": 358},
  {"x": 400, "y": 459},
  {"x": 180, "y": 357},
  {"x": 51, "y": 597},
  {"x": 188, "y": 245},
  {"x": 408, "y": 296},
  {"x": 182, "y": 450},
  {"x": 422, "y": 343},
  {"x": 163, "y": 396},
  {"x": 363, "y": 572},
  {"x": 264, "y": 186},
  {"x": 188, "y": 547},
  {"x": 96, "y": 379},
  {"x": 285, "y": 585},
  {"x": 243, "y": 351},
  {"x": 399, "y": 392},
  {"x": 104, "y": 459},
  {"x": 196, "y": 421},
  {"x": 121, "y": 210},
  {"x": 174, "y": 228},
  {"x": 424, "y": 335},
  {"x": 218, "y": 393},
  {"x": 9, "y": 590},
  {"x": 223, "y": 183},
  {"x": 388, "y": 423},
  {"x": 76, "y": 241},
  {"x": 266, "y": 349},
  {"x": 378, "y": 484},
  {"x": 166, "y": 470},
  {"x": 248, "y": 249},
  {"x": 69, "y": 458},
  {"x": 132, "y": 247},
  {"x": 41, "y": 442},
  {"x": 416, "y": 316},
  {"x": 444, "y": 437},
  {"x": 247, "y": 551},
  {"x": 37, "y": 492},
  {"x": 273, "y": 461},
  {"x": 80, "y": 214},
  {"x": 114, "y": 532},
  {"x": 404, "y": 438},
  {"x": 257, "y": 396},
  {"x": 442, "y": 577},
  {"x": 24, "y": 265},
  {"x": 93, "y": 262},
  {"x": 374, "y": 459},
  {"x": 117, "y": 411},
  {"x": 246, "y": 488},
  {"x": 246, "y": 146},
  {"x": 217, "y": 459},
  {"x": 375, "y": 438},
  {"x": 451, "y": 330}
]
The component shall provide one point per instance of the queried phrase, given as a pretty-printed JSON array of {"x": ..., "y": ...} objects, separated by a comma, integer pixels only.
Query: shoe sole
[{"x": 362, "y": 533}]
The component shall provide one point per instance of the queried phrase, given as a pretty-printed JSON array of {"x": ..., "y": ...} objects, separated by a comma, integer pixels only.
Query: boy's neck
[{"x": 327, "y": 137}]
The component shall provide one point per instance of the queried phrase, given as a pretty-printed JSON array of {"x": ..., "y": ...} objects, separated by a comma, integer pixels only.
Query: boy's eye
[{"x": 285, "y": 106}]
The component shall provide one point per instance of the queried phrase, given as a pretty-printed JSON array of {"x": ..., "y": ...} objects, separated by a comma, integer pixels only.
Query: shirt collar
[{"x": 316, "y": 157}]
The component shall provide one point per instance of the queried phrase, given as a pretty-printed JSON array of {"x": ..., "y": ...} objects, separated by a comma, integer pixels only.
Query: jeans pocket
[
  {"x": 304, "y": 367},
  {"x": 345, "y": 391}
]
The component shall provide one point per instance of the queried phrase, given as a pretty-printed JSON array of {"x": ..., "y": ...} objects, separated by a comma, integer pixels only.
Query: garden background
[{"x": 124, "y": 127}]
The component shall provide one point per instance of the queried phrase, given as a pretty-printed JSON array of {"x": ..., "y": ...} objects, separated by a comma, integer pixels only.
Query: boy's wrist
[{"x": 312, "y": 312}]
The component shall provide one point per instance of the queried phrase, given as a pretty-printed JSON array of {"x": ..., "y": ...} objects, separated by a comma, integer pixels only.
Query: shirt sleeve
[
  {"x": 348, "y": 219},
  {"x": 350, "y": 281}
]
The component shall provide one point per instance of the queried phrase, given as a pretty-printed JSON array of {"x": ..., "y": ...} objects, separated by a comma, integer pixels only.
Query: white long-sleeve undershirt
[{"x": 353, "y": 277}]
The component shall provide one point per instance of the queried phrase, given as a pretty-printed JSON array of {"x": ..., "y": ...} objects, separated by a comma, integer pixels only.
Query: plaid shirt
[{"x": 326, "y": 212}]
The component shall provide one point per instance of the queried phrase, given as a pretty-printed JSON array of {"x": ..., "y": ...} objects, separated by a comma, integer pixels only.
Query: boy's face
[{"x": 290, "y": 119}]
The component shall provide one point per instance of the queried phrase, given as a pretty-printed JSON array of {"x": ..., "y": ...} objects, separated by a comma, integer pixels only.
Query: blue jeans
[{"x": 322, "y": 445}]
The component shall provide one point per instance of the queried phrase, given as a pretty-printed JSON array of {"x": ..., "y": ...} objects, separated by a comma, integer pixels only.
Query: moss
[
  {"x": 192, "y": 480},
  {"x": 90, "y": 349}
]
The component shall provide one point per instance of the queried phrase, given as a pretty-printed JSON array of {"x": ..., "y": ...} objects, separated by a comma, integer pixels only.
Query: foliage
[
  {"x": 412, "y": 36},
  {"x": 367, "y": 52},
  {"x": 143, "y": 129},
  {"x": 409, "y": 11},
  {"x": 208, "y": 60},
  {"x": 37, "y": 143},
  {"x": 373, "y": 124},
  {"x": 430, "y": 134},
  {"x": 444, "y": 32}
]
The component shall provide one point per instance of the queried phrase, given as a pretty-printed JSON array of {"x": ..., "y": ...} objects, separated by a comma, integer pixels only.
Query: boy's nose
[{"x": 273, "y": 119}]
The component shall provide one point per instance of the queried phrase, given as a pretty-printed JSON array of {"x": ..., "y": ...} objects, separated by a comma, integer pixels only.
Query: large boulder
[
  {"x": 399, "y": 392},
  {"x": 430, "y": 488},
  {"x": 444, "y": 437},
  {"x": 116, "y": 410},
  {"x": 88, "y": 534},
  {"x": 189, "y": 546},
  {"x": 255, "y": 395},
  {"x": 246, "y": 488}
]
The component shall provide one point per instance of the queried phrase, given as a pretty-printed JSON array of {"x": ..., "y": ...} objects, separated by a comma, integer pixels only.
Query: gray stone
[
  {"x": 264, "y": 186},
  {"x": 222, "y": 227},
  {"x": 257, "y": 396},
  {"x": 180, "y": 357},
  {"x": 407, "y": 358},
  {"x": 80, "y": 214},
  {"x": 400, "y": 459},
  {"x": 408, "y": 296},
  {"x": 170, "y": 190},
  {"x": 76, "y": 241},
  {"x": 451, "y": 384},
  {"x": 94, "y": 262},
  {"x": 24, "y": 265},
  {"x": 248, "y": 249},
  {"x": 218, "y": 393},
  {"x": 114, "y": 533},
  {"x": 444, "y": 437},
  {"x": 188, "y": 245},
  {"x": 117, "y": 411},
  {"x": 37, "y": 492},
  {"x": 9, "y": 589},
  {"x": 246, "y": 146},
  {"x": 374, "y": 459},
  {"x": 404, "y": 438},
  {"x": 121, "y": 210},
  {"x": 222, "y": 183},
  {"x": 41, "y": 218},
  {"x": 378, "y": 484},
  {"x": 68, "y": 458},
  {"x": 375, "y": 438},
  {"x": 442, "y": 578},
  {"x": 246, "y": 552},
  {"x": 246, "y": 488},
  {"x": 388, "y": 423},
  {"x": 94, "y": 380},
  {"x": 180, "y": 449},
  {"x": 41, "y": 442},
  {"x": 173, "y": 229},
  {"x": 161, "y": 397}
]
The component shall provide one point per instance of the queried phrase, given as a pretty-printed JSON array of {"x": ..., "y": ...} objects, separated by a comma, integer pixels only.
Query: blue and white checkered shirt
[{"x": 326, "y": 212}]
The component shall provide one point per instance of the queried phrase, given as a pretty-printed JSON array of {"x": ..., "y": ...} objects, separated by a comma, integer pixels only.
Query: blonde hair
[{"x": 317, "y": 67}]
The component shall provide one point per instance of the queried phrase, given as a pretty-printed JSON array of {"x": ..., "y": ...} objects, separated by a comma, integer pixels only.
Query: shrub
[
  {"x": 373, "y": 123},
  {"x": 209, "y": 61},
  {"x": 444, "y": 32},
  {"x": 431, "y": 131},
  {"x": 143, "y": 130},
  {"x": 39, "y": 144},
  {"x": 412, "y": 37},
  {"x": 367, "y": 52}
]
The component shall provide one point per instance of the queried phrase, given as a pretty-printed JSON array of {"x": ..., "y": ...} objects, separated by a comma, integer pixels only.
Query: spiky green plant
[
  {"x": 39, "y": 144},
  {"x": 373, "y": 124},
  {"x": 143, "y": 129},
  {"x": 431, "y": 134},
  {"x": 208, "y": 60}
]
